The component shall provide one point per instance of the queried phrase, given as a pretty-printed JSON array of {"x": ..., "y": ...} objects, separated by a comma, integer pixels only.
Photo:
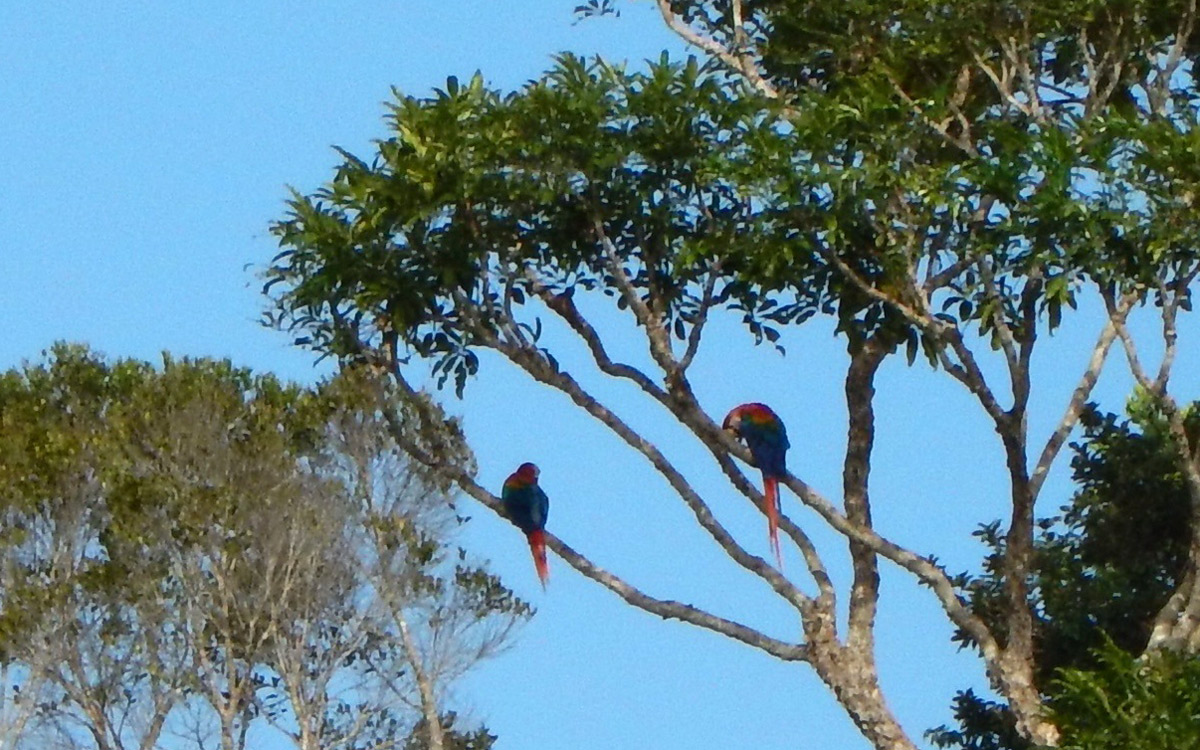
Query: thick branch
[
  {"x": 860, "y": 393},
  {"x": 1177, "y": 624},
  {"x": 681, "y": 402},
  {"x": 667, "y": 609},
  {"x": 1028, "y": 311}
]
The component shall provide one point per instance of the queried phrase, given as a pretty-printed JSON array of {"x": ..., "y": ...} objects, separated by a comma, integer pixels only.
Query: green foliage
[
  {"x": 433, "y": 238},
  {"x": 1129, "y": 704},
  {"x": 925, "y": 172},
  {"x": 893, "y": 148},
  {"x": 198, "y": 529},
  {"x": 1102, "y": 569}
]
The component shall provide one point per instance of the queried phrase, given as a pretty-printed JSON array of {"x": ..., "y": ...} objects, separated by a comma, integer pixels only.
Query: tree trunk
[
  {"x": 852, "y": 676},
  {"x": 860, "y": 439}
]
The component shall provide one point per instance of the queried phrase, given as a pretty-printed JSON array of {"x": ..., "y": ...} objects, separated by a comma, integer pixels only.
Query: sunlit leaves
[
  {"x": 477, "y": 196},
  {"x": 1102, "y": 568},
  {"x": 1129, "y": 704}
]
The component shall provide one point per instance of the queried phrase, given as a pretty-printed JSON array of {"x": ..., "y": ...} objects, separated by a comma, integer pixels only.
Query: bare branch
[
  {"x": 961, "y": 142},
  {"x": 664, "y": 608},
  {"x": 740, "y": 63},
  {"x": 656, "y": 331},
  {"x": 541, "y": 371},
  {"x": 925, "y": 571},
  {"x": 564, "y": 306},
  {"x": 1131, "y": 354},
  {"x": 722, "y": 447},
  {"x": 706, "y": 302},
  {"x": 1080, "y": 395},
  {"x": 1007, "y": 341},
  {"x": 682, "y": 403}
]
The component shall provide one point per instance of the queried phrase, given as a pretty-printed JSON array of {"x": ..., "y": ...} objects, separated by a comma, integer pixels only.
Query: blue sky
[{"x": 147, "y": 147}]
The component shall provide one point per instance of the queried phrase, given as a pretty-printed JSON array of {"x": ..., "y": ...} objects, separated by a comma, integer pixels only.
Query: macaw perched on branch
[
  {"x": 528, "y": 507},
  {"x": 766, "y": 437}
]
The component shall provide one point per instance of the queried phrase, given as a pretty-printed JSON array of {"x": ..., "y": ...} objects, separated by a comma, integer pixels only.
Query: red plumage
[
  {"x": 771, "y": 500},
  {"x": 537, "y": 545}
]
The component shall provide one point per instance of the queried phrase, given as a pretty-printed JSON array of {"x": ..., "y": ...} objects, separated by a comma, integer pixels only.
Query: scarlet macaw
[
  {"x": 766, "y": 438},
  {"x": 527, "y": 507}
]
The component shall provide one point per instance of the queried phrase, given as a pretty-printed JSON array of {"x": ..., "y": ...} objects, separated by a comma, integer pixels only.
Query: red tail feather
[
  {"x": 771, "y": 498},
  {"x": 537, "y": 544}
]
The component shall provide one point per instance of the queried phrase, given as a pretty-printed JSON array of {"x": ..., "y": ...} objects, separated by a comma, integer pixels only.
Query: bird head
[
  {"x": 527, "y": 471},
  {"x": 733, "y": 420}
]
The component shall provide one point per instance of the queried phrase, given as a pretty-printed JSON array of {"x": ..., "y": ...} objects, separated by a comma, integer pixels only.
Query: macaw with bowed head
[
  {"x": 527, "y": 507},
  {"x": 766, "y": 437}
]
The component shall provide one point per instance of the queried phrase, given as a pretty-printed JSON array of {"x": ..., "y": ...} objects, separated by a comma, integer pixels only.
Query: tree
[
  {"x": 200, "y": 551},
  {"x": 949, "y": 180},
  {"x": 1124, "y": 702},
  {"x": 1102, "y": 569}
]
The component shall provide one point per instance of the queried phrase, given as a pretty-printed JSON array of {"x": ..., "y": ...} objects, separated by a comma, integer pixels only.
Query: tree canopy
[
  {"x": 1102, "y": 569},
  {"x": 196, "y": 550},
  {"x": 943, "y": 179}
]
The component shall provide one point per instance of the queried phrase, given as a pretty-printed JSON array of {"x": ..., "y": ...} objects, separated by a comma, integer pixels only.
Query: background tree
[
  {"x": 1125, "y": 702},
  {"x": 190, "y": 552},
  {"x": 1102, "y": 569},
  {"x": 946, "y": 180}
]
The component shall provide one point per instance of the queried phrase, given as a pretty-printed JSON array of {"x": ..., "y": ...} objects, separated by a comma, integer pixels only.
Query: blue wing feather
[
  {"x": 527, "y": 506},
  {"x": 768, "y": 444},
  {"x": 540, "y": 510}
]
